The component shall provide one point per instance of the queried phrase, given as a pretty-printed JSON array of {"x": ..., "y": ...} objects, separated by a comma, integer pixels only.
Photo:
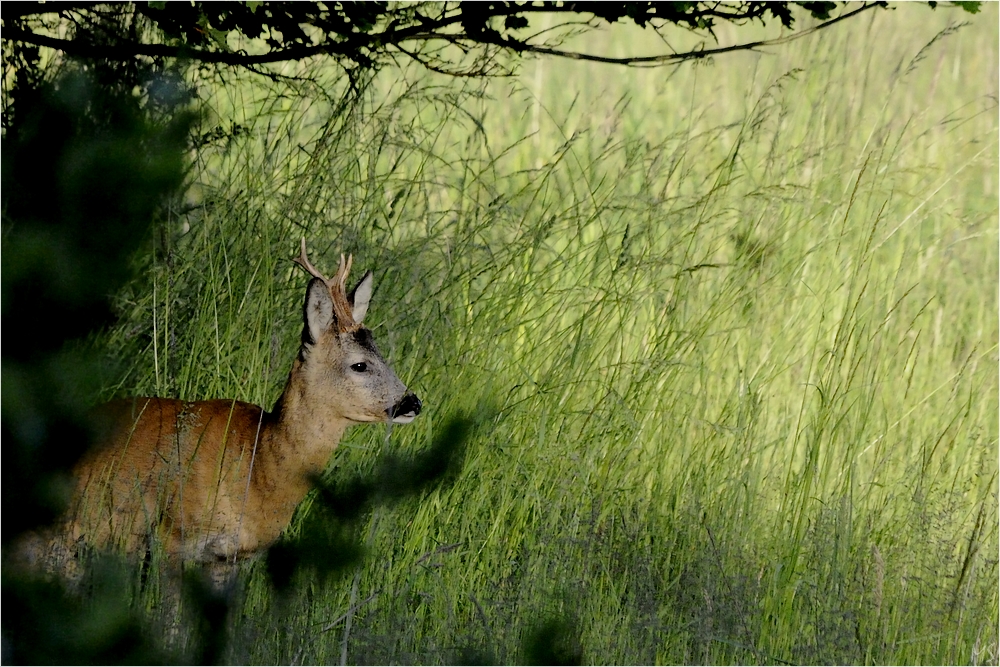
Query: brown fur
[{"x": 220, "y": 479}]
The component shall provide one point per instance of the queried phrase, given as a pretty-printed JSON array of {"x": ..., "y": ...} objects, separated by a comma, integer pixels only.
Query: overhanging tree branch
[
  {"x": 368, "y": 34},
  {"x": 124, "y": 51},
  {"x": 672, "y": 58}
]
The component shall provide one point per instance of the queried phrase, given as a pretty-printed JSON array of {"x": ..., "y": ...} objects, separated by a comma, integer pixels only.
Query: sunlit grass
[{"x": 730, "y": 332}]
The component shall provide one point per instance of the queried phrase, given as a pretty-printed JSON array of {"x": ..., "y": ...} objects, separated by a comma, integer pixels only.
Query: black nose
[{"x": 407, "y": 405}]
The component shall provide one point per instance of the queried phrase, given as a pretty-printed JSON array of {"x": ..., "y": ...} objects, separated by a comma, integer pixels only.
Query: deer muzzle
[{"x": 405, "y": 410}]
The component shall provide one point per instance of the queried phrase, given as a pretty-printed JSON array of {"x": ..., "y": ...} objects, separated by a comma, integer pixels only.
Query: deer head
[{"x": 338, "y": 358}]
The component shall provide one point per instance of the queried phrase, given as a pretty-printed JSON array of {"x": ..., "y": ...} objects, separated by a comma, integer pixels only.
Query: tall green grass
[{"x": 730, "y": 332}]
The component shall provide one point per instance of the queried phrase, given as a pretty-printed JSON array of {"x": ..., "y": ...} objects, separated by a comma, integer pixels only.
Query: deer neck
[{"x": 304, "y": 432}]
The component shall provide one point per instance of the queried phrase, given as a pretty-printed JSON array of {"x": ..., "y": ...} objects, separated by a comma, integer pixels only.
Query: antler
[
  {"x": 303, "y": 261},
  {"x": 343, "y": 313},
  {"x": 341, "y": 275}
]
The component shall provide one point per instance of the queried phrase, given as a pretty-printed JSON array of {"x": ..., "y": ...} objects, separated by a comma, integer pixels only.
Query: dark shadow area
[
  {"x": 45, "y": 624},
  {"x": 329, "y": 540},
  {"x": 554, "y": 641},
  {"x": 85, "y": 171},
  {"x": 88, "y": 159}
]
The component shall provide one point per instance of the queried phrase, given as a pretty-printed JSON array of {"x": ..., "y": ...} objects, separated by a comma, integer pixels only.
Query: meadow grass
[{"x": 729, "y": 332}]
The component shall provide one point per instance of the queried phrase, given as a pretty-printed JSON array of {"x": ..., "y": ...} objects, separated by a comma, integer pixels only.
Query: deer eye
[{"x": 359, "y": 367}]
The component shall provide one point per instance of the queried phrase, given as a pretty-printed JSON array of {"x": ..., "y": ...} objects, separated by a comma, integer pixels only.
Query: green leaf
[
  {"x": 218, "y": 36},
  {"x": 971, "y": 7}
]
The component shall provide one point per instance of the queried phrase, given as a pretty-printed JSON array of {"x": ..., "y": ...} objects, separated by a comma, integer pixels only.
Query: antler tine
[
  {"x": 340, "y": 277},
  {"x": 343, "y": 313},
  {"x": 347, "y": 271},
  {"x": 341, "y": 306},
  {"x": 303, "y": 261}
]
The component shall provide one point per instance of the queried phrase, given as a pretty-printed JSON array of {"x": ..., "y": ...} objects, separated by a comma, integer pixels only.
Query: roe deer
[{"x": 219, "y": 479}]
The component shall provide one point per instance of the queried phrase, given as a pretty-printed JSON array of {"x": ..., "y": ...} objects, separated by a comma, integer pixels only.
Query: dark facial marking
[{"x": 363, "y": 337}]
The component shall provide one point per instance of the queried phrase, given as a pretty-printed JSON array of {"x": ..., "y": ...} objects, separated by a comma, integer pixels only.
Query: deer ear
[
  {"x": 318, "y": 310},
  {"x": 360, "y": 296}
]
